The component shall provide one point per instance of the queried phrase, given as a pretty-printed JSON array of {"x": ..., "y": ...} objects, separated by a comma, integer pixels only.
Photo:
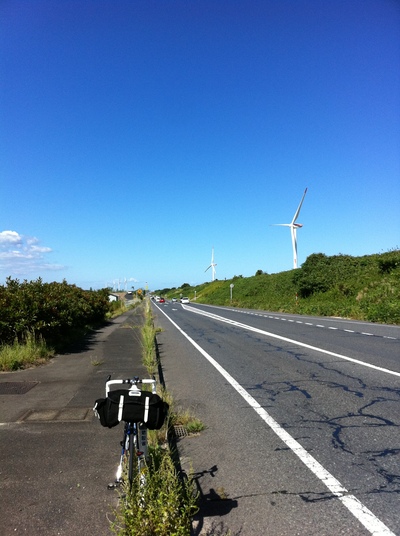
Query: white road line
[
  {"x": 308, "y": 323},
  {"x": 374, "y": 525},
  {"x": 292, "y": 341}
]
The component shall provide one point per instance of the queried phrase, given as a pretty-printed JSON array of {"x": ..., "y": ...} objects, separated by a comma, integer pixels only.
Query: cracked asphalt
[{"x": 55, "y": 458}]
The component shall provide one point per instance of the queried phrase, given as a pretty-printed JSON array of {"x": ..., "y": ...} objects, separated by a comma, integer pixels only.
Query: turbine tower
[
  {"x": 293, "y": 228},
  {"x": 212, "y": 265}
]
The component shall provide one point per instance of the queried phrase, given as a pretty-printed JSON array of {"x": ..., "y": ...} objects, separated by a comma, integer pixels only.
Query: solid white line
[
  {"x": 359, "y": 511},
  {"x": 292, "y": 341}
]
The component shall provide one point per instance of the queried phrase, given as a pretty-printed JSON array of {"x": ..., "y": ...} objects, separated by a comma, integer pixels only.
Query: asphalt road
[
  {"x": 302, "y": 417},
  {"x": 55, "y": 458}
]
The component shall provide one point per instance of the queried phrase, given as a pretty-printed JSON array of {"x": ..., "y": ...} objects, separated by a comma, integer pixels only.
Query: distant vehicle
[
  {"x": 157, "y": 298},
  {"x": 174, "y": 300},
  {"x": 161, "y": 300},
  {"x": 185, "y": 300}
]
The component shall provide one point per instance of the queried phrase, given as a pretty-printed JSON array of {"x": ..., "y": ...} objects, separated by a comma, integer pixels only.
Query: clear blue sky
[{"x": 136, "y": 135}]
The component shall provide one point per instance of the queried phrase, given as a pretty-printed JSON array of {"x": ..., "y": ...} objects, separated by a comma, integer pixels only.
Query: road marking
[
  {"x": 292, "y": 341},
  {"x": 306, "y": 323},
  {"x": 374, "y": 525}
]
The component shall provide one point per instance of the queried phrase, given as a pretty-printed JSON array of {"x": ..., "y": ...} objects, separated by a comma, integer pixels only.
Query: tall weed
[
  {"x": 31, "y": 351},
  {"x": 164, "y": 505}
]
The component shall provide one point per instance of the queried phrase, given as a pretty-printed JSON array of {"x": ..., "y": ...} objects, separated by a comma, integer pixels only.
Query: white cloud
[
  {"x": 23, "y": 255},
  {"x": 10, "y": 237}
]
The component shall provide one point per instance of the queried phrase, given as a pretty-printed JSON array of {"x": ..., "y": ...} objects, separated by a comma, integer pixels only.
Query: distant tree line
[{"x": 55, "y": 312}]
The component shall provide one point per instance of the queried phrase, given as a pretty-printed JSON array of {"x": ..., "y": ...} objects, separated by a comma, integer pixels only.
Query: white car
[{"x": 185, "y": 300}]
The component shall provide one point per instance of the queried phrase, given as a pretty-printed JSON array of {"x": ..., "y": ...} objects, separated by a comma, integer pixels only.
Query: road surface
[{"x": 302, "y": 417}]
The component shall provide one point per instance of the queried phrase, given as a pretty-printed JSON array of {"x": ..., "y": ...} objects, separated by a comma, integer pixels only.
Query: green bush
[
  {"x": 364, "y": 288},
  {"x": 55, "y": 312}
]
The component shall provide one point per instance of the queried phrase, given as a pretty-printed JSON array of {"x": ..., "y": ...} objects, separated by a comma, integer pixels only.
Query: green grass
[
  {"x": 24, "y": 354},
  {"x": 361, "y": 288},
  {"x": 167, "y": 502},
  {"x": 164, "y": 506}
]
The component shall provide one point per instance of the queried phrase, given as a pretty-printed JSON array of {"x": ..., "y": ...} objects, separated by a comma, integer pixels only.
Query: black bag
[{"x": 131, "y": 406}]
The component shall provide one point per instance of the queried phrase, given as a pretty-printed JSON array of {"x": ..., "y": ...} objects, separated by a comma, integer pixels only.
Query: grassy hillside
[{"x": 364, "y": 288}]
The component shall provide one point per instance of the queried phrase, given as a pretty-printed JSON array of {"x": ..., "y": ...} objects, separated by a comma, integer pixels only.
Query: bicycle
[{"x": 140, "y": 411}]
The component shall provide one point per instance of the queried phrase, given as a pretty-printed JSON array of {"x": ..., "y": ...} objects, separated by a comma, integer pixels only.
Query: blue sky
[{"x": 137, "y": 135}]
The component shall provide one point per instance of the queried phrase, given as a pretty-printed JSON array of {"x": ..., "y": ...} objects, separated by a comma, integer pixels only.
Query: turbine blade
[{"x": 299, "y": 207}]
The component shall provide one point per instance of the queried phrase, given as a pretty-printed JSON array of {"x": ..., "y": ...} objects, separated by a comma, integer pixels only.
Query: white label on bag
[
  {"x": 120, "y": 407},
  {"x": 146, "y": 409}
]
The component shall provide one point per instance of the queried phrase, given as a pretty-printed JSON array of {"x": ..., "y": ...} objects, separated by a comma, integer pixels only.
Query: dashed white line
[
  {"x": 308, "y": 323},
  {"x": 367, "y": 518},
  {"x": 286, "y": 339}
]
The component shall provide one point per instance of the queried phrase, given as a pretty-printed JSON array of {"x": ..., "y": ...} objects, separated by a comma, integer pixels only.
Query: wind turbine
[
  {"x": 212, "y": 265},
  {"x": 293, "y": 228}
]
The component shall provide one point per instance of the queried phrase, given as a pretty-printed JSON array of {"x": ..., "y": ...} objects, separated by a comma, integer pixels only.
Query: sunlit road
[{"x": 302, "y": 417}]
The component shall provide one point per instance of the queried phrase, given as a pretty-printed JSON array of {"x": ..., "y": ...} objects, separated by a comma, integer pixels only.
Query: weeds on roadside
[
  {"x": 149, "y": 358},
  {"x": 166, "y": 503},
  {"x": 164, "y": 506},
  {"x": 31, "y": 351}
]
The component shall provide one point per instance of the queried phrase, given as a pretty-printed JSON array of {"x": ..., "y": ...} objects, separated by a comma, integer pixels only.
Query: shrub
[{"x": 56, "y": 312}]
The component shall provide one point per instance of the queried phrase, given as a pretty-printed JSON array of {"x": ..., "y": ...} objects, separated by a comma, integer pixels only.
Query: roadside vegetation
[
  {"x": 167, "y": 502},
  {"x": 38, "y": 319},
  {"x": 360, "y": 288}
]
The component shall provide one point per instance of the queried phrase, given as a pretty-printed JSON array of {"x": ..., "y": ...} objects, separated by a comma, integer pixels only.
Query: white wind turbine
[
  {"x": 293, "y": 228},
  {"x": 212, "y": 265}
]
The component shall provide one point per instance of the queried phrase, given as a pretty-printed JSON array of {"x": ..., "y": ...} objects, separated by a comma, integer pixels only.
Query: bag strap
[
  {"x": 120, "y": 407},
  {"x": 146, "y": 409}
]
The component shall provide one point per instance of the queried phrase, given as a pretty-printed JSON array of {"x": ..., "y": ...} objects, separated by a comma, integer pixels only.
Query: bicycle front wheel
[{"x": 132, "y": 455}]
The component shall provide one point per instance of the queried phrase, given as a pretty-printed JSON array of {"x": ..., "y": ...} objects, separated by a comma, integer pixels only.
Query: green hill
[{"x": 363, "y": 288}]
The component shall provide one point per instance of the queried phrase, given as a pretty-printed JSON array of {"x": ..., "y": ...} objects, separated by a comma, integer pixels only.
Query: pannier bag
[{"x": 131, "y": 406}]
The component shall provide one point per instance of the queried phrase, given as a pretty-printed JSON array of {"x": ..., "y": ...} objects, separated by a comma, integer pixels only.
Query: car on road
[
  {"x": 185, "y": 300},
  {"x": 161, "y": 300},
  {"x": 174, "y": 300}
]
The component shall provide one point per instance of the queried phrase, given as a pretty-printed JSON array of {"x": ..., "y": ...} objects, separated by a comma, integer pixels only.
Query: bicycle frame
[{"x": 134, "y": 441}]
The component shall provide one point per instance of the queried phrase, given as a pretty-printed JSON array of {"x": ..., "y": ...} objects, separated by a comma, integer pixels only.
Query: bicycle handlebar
[{"x": 133, "y": 382}]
